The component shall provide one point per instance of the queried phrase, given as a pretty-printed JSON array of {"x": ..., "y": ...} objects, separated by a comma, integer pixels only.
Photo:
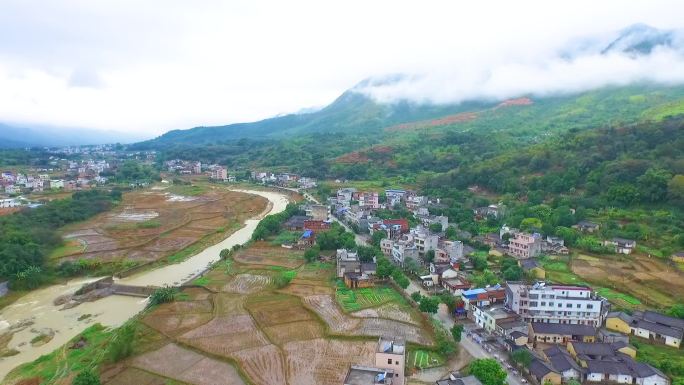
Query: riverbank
[{"x": 37, "y": 312}]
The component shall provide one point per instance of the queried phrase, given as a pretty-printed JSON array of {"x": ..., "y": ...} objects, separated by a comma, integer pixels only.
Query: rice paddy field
[
  {"x": 161, "y": 223},
  {"x": 630, "y": 282},
  {"x": 240, "y": 328},
  {"x": 424, "y": 359}
]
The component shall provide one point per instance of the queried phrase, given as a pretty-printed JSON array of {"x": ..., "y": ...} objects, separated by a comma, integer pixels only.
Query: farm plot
[
  {"x": 225, "y": 335},
  {"x": 638, "y": 278},
  {"x": 357, "y": 299},
  {"x": 262, "y": 253},
  {"x": 391, "y": 311},
  {"x": 263, "y": 365},
  {"x": 379, "y": 327},
  {"x": 325, "y": 361},
  {"x": 327, "y": 309},
  {"x": 176, "y": 318},
  {"x": 246, "y": 283},
  {"x": 185, "y": 365},
  {"x": 136, "y": 376},
  {"x": 148, "y": 226},
  {"x": 424, "y": 359}
]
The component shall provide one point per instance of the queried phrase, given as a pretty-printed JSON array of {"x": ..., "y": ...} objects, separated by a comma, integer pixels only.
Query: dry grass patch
[
  {"x": 185, "y": 365},
  {"x": 263, "y": 365},
  {"x": 306, "y": 290},
  {"x": 324, "y": 361},
  {"x": 136, "y": 376},
  {"x": 391, "y": 311},
  {"x": 263, "y": 253},
  {"x": 246, "y": 284},
  {"x": 326, "y": 307},
  {"x": 378, "y": 327},
  {"x": 294, "y": 331},
  {"x": 278, "y": 310}
]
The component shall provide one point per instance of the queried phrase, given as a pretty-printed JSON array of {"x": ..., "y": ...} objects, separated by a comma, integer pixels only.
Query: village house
[
  {"x": 316, "y": 226},
  {"x": 648, "y": 325},
  {"x": 317, "y": 212},
  {"x": 356, "y": 274},
  {"x": 219, "y": 174},
  {"x": 344, "y": 196},
  {"x": 394, "y": 197},
  {"x": 532, "y": 267},
  {"x": 544, "y": 373},
  {"x": 586, "y": 226},
  {"x": 295, "y": 222},
  {"x": 558, "y": 333},
  {"x": 483, "y": 296},
  {"x": 494, "y": 211},
  {"x": 596, "y": 363},
  {"x": 491, "y": 317},
  {"x": 369, "y": 200},
  {"x": 524, "y": 245},
  {"x": 621, "y": 245},
  {"x": 678, "y": 257},
  {"x": 390, "y": 358},
  {"x": 565, "y": 304},
  {"x": 307, "y": 183}
]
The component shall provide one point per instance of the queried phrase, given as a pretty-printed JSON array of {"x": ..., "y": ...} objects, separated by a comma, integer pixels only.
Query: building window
[
  {"x": 590, "y": 306},
  {"x": 579, "y": 305},
  {"x": 389, "y": 361},
  {"x": 569, "y": 305},
  {"x": 560, "y": 305},
  {"x": 396, "y": 362},
  {"x": 550, "y": 303}
]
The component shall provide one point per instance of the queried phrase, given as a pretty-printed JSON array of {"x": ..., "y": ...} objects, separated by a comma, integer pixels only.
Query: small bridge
[{"x": 107, "y": 283}]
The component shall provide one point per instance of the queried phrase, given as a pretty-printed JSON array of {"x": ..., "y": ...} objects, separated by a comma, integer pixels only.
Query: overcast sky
[{"x": 150, "y": 66}]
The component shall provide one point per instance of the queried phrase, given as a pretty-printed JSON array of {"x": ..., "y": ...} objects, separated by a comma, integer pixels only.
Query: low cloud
[{"x": 649, "y": 55}]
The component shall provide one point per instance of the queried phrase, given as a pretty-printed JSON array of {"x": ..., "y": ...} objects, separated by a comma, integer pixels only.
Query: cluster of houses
[
  {"x": 183, "y": 167},
  {"x": 522, "y": 245},
  {"x": 575, "y": 335},
  {"x": 401, "y": 242},
  {"x": 283, "y": 179},
  {"x": 13, "y": 183}
]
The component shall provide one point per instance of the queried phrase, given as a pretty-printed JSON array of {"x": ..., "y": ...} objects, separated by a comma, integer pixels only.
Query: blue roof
[
  {"x": 307, "y": 234},
  {"x": 342, "y": 209},
  {"x": 473, "y": 292}
]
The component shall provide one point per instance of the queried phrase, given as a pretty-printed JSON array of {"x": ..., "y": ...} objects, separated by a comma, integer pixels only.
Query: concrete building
[
  {"x": 492, "y": 316},
  {"x": 523, "y": 245},
  {"x": 366, "y": 375},
  {"x": 317, "y": 212},
  {"x": 564, "y": 304},
  {"x": 368, "y": 200},
  {"x": 219, "y": 173},
  {"x": 391, "y": 355}
]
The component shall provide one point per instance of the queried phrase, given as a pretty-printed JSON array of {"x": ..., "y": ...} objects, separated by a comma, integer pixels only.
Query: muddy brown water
[{"x": 37, "y": 306}]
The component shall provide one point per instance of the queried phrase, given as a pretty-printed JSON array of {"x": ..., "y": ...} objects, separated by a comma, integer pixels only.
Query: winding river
[{"x": 114, "y": 310}]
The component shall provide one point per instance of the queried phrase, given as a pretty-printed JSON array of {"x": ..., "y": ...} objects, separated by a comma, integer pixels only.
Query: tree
[
  {"x": 479, "y": 262},
  {"x": 377, "y": 237},
  {"x": 531, "y": 224},
  {"x": 450, "y": 233},
  {"x": 677, "y": 311},
  {"x": 162, "y": 295},
  {"x": 86, "y": 377},
  {"x": 522, "y": 357},
  {"x": 429, "y": 305},
  {"x": 449, "y": 300},
  {"x": 456, "y": 332},
  {"x": 416, "y": 296},
  {"x": 312, "y": 254},
  {"x": 435, "y": 227},
  {"x": 488, "y": 371},
  {"x": 653, "y": 184},
  {"x": 411, "y": 266},
  {"x": 429, "y": 256},
  {"x": 675, "y": 187},
  {"x": 513, "y": 273},
  {"x": 384, "y": 268}
]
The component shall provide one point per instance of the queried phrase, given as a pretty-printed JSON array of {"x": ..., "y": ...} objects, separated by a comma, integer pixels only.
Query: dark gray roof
[
  {"x": 563, "y": 329},
  {"x": 368, "y": 266},
  {"x": 663, "y": 319},
  {"x": 296, "y": 221},
  {"x": 658, "y": 328},
  {"x": 539, "y": 368},
  {"x": 608, "y": 367},
  {"x": 562, "y": 362},
  {"x": 593, "y": 349},
  {"x": 621, "y": 315},
  {"x": 517, "y": 334},
  {"x": 528, "y": 264}
]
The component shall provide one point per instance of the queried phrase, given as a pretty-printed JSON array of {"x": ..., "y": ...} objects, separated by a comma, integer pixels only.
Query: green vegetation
[
  {"x": 456, "y": 332},
  {"x": 284, "y": 278},
  {"x": 29, "y": 236},
  {"x": 667, "y": 359},
  {"x": 429, "y": 305},
  {"x": 271, "y": 225},
  {"x": 424, "y": 359},
  {"x": 121, "y": 343},
  {"x": 613, "y": 295},
  {"x": 356, "y": 299},
  {"x": 134, "y": 172},
  {"x": 488, "y": 371},
  {"x": 162, "y": 295},
  {"x": 86, "y": 377}
]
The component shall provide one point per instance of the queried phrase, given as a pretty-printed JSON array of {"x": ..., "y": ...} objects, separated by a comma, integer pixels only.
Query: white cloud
[{"x": 157, "y": 65}]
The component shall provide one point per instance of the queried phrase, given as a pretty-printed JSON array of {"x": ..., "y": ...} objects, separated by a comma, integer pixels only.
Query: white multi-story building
[
  {"x": 563, "y": 304},
  {"x": 424, "y": 241}
]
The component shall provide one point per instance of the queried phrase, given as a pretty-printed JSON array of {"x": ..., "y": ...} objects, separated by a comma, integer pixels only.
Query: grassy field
[
  {"x": 665, "y": 358},
  {"x": 557, "y": 270},
  {"x": 357, "y": 299},
  {"x": 613, "y": 295},
  {"x": 424, "y": 359},
  {"x": 69, "y": 247}
]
